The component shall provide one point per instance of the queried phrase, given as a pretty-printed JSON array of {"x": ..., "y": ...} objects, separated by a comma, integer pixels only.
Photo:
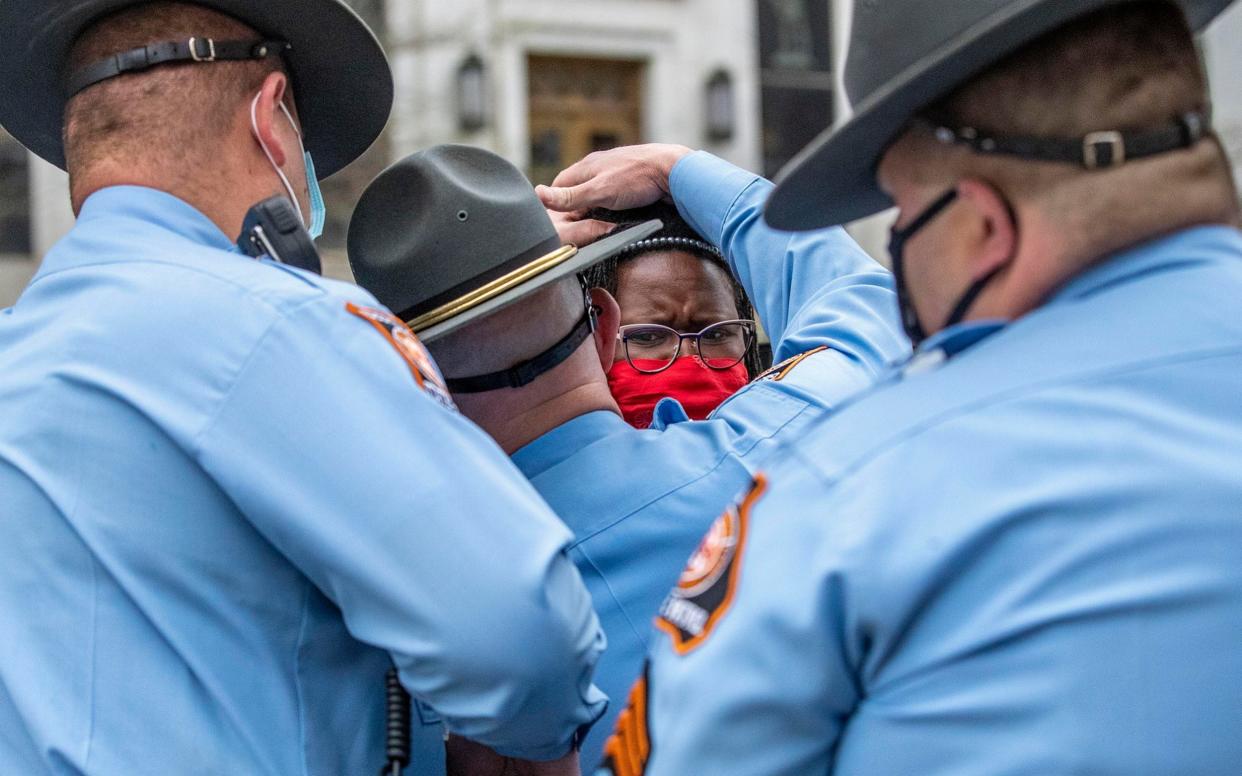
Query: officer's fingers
[
  {"x": 564, "y": 220},
  {"x": 587, "y": 232},
  {"x": 551, "y": 198},
  {"x": 563, "y": 223},
  {"x": 569, "y": 199},
  {"x": 582, "y": 232},
  {"x": 579, "y": 172}
]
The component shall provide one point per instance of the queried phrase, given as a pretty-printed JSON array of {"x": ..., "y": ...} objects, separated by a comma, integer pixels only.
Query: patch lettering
[
  {"x": 411, "y": 349},
  {"x": 781, "y": 371},
  {"x": 705, "y": 590},
  {"x": 629, "y": 747}
]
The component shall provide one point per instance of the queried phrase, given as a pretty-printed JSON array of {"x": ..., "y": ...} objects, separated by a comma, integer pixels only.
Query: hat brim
[
  {"x": 342, "y": 83},
  {"x": 843, "y": 161},
  {"x": 584, "y": 259}
]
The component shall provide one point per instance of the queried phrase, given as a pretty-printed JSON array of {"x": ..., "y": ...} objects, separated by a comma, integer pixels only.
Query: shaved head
[
  {"x": 578, "y": 385},
  {"x": 512, "y": 335},
  {"x": 172, "y": 114},
  {"x": 1127, "y": 67}
]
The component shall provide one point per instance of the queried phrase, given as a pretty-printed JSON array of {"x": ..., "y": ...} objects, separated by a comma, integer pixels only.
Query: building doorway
[{"x": 580, "y": 105}]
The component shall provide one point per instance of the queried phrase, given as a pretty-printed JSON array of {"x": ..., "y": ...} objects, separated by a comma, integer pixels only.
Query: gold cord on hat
[{"x": 493, "y": 289}]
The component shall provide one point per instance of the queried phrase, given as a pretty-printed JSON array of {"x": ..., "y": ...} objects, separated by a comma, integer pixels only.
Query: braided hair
[{"x": 677, "y": 235}]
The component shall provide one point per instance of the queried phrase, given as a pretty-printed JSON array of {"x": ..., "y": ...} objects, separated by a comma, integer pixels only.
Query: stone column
[
  {"x": 1223, "y": 56},
  {"x": 51, "y": 216}
]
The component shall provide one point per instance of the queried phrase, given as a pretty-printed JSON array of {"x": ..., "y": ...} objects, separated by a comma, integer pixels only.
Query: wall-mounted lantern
[
  {"x": 471, "y": 94},
  {"x": 721, "y": 107}
]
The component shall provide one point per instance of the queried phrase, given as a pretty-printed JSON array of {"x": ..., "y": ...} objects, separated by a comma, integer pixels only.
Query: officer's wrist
[{"x": 669, "y": 157}]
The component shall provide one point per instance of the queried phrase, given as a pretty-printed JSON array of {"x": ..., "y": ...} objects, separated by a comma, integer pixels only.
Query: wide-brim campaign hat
[
  {"x": 904, "y": 56},
  {"x": 453, "y": 233},
  {"x": 341, "y": 79}
]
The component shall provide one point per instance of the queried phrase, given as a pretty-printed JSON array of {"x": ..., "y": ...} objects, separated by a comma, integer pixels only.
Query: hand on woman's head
[
  {"x": 577, "y": 229},
  {"x": 618, "y": 179}
]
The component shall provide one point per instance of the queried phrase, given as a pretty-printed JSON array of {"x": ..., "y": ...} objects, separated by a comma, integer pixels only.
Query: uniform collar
[
  {"x": 937, "y": 349},
  {"x": 668, "y": 412},
  {"x": 962, "y": 336},
  {"x": 146, "y": 206},
  {"x": 1180, "y": 249},
  {"x": 564, "y": 441},
  {"x": 155, "y": 207}
]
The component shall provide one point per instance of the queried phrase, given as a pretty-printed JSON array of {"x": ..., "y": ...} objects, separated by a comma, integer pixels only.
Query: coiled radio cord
[{"x": 397, "y": 726}]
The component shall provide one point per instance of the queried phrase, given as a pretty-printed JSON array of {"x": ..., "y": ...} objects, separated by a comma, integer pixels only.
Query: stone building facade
[{"x": 543, "y": 82}]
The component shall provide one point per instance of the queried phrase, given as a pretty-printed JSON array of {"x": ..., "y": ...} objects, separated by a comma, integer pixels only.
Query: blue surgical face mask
[{"x": 319, "y": 210}]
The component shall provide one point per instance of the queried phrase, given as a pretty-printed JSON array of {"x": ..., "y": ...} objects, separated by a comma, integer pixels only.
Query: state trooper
[
  {"x": 234, "y": 492},
  {"x": 526, "y": 349},
  {"x": 1018, "y": 553}
]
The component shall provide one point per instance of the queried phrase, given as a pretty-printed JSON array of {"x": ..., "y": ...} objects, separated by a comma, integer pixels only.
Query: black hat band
[
  {"x": 200, "y": 50},
  {"x": 1095, "y": 151}
]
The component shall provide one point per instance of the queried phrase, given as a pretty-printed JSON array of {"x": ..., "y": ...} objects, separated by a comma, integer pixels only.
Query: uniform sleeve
[
  {"x": 810, "y": 289},
  {"x": 416, "y": 525}
]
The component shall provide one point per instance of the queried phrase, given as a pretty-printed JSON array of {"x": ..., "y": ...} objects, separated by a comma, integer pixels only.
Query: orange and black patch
[
  {"x": 781, "y": 371},
  {"x": 410, "y": 348},
  {"x": 706, "y": 588},
  {"x": 629, "y": 747}
]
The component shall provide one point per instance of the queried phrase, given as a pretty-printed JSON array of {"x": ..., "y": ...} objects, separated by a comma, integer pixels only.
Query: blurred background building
[{"x": 544, "y": 82}]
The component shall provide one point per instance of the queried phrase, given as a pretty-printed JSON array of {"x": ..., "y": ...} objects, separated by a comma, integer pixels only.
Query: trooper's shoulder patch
[
  {"x": 628, "y": 749},
  {"x": 780, "y": 371},
  {"x": 410, "y": 348},
  {"x": 705, "y": 590}
]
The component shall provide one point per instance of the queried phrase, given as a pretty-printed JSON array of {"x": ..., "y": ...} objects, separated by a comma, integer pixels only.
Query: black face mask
[{"x": 896, "y": 251}]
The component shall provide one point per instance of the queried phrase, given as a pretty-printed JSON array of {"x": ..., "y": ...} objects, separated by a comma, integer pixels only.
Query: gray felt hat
[
  {"x": 904, "y": 56},
  {"x": 453, "y": 233},
  {"x": 341, "y": 79}
]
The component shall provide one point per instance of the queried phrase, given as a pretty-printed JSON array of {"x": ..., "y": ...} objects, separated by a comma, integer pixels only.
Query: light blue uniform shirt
[
  {"x": 1023, "y": 560},
  {"x": 638, "y": 502},
  {"x": 226, "y": 507}
]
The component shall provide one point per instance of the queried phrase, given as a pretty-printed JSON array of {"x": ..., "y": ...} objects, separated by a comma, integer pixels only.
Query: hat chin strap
[
  {"x": 196, "y": 49},
  {"x": 1094, "y": 151},
  {"x": 527, "y": 372}
]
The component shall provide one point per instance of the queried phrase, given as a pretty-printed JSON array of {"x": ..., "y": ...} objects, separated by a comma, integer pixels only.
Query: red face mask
[{"x": 699, "y": 389}]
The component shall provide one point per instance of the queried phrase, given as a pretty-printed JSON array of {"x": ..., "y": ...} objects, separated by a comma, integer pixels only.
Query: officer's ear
[
  {"x": 993, "y": 233},
  {"x": 607, "y": 322},
  {"x": 268, "y": 121}
]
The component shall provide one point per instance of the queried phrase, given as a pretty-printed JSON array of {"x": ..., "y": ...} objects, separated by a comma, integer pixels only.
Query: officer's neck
[
  {"x": 225, "y": 205},
  {"x": 517, "y": 417},
  {"x": 1097, "y": 218}
]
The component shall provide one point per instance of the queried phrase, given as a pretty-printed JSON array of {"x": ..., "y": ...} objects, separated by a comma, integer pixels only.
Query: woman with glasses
[
  {"x": 687, "y": 327},
  {"x": 641, "y": 501}
]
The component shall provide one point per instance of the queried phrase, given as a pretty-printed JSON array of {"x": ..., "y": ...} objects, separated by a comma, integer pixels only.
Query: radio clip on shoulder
[{"x": 273, "y": 228}]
